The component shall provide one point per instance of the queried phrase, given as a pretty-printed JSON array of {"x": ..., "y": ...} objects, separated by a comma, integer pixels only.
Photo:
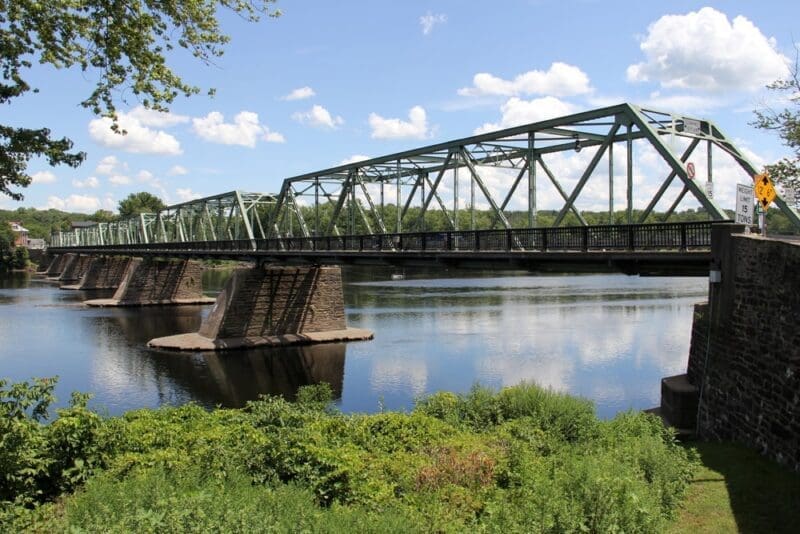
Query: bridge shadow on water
[{"x": 228, "y": 379}]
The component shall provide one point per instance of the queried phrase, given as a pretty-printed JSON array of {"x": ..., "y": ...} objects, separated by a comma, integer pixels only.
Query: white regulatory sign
[
  {"x": 744, "y": 204},
  {"x": 710, "y": 189},
  {"x": 789, "y": 196},
  {"x": 692, "y": 126}
]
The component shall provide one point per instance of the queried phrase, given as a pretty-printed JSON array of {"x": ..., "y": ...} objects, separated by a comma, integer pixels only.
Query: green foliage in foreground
[{"x": 522, "y": 459}]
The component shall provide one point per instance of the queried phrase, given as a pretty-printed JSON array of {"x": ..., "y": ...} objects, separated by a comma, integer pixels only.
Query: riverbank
[{"x": 521, "y": 459}]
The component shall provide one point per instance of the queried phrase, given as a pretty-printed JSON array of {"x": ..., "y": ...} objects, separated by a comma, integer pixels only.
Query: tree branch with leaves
[{"x": 125, "y": 44}]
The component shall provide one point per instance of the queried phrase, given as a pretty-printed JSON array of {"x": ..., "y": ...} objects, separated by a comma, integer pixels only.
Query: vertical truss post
[
  {"x": 709, "y": 162},
  {"x": 532, "y": 211},
  {"x": 248, "y": 228},
  {"x": 398, "y": 200},
  {"x": 423, "y": 177},
  {"x": 629, "y": 192},
  {"x": 611, "y": 183},
  {"x": 455, "y": 189},
  {"x": 316, "y": 206},
  {"x": 471, "y": 200}
]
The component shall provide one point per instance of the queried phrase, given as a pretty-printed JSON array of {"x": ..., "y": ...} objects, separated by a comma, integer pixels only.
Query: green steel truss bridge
[{"x": 429, "y": 203}]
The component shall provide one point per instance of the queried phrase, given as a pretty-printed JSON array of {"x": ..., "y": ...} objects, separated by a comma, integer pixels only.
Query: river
[{"x": 609, "y": 338}]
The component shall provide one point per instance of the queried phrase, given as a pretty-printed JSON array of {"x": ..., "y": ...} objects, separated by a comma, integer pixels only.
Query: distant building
[
  {"x": 82, "y": 224},
  {"x": 36, "y": 244},
  {"x": 20, "y": 234}
]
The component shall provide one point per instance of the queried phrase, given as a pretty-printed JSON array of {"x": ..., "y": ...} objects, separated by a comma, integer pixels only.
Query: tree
[
  {"x": 103, "y": 216},
  {"x": 142, "y": 202},
  {"x": 786, "y": 123},
  {"x": 123, "y": 44}
]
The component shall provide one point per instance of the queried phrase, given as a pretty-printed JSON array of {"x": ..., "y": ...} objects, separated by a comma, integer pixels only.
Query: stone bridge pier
[
  {"x": 152, "y": 282},
  {"x": 272, "y": 306}
]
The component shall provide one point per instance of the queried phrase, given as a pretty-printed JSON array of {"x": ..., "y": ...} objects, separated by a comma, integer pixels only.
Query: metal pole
[
  {"x": 316, "y": 206},
  {"x": 471, "y": 202},
  {"x": 423, "y": 178}
]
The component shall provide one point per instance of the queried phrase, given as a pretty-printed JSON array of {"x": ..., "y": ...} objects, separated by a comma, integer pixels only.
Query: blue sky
[{"x": 329, "y": 82}]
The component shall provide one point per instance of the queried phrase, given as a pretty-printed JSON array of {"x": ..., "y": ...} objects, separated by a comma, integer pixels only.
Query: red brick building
[{"x": 20, "y": 234}]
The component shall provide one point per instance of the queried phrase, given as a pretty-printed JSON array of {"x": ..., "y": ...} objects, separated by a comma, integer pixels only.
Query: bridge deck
[{"x": 652, "y": 249}]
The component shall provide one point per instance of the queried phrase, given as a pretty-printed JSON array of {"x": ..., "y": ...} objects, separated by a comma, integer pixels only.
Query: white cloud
[
  {"x": 517, "y": 111},
  {"x": 139, "y": 138},
  {"x": 684, "y": 103},
  {"x": 119, "y": 179},
  {"x": 353, "y": 159},
  {"x": 273, "y": 137},
  {"x": 90, "y": 182},
  {"x": 155, "y": 183},
  {"x": 157, "y": 119},
  {"x": 79, "y": 203},
  {"x": 43, "y": 177},
  {"x": 429, "y": 20},
  {"x": 703, "y": 50},
  {"x": 301, "y": 93},
  {"x": 560, "y": 79},
  {"x": 110, "y": 165},
  {"x": 245, "y": 130},
  {"x": 178, "y": 170},
  {"x": 185, "y": 195},
  {"x": 415, "y": 128},
  {"x": 319, "y": 117}
]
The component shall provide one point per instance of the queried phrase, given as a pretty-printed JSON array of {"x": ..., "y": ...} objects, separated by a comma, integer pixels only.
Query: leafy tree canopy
[
  {"x": 142, "y": 202},
  {"x": 123, "y": 44},
  {"x": 786, "y": 123}
]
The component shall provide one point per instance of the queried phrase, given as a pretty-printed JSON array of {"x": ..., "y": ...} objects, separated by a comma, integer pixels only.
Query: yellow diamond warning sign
[{"x": 765, "y": 191}]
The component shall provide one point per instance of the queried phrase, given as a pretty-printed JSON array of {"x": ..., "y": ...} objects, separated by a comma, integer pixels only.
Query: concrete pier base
[
  {"x": 149, "y": 282},
  {"x": 75, "y": 269},
  {"x": 273, "y": 306},
  {"x": 58, "y": 264},
  {"x": 103, "y": 272}
]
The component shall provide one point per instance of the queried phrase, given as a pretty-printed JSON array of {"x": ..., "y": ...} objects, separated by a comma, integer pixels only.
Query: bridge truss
[{"x": 568, "y": 162}]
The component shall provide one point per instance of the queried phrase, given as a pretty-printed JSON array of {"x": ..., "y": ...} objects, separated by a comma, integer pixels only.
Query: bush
[{"x": 522, "y": 459}]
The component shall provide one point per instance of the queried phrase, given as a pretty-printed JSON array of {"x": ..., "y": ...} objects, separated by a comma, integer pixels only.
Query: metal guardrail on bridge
[{"x": 681, "y": 237}]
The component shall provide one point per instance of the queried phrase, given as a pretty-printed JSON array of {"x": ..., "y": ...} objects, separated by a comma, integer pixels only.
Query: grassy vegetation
[
  {"x": 736, "y": 490},
  {"x": 522, "y": 459},
  {"x": 519, "y": 460}
]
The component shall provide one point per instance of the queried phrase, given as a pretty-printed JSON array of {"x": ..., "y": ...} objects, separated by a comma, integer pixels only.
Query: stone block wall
[
  {"x": 58, "y": 264},
  {"x": 105, "y": 272},
  {"x": 75, "y": 269},
  {"x": 153, "y": 281},
  {"x": 269, "y": 301},
  {"x": 745, "y": 350}
]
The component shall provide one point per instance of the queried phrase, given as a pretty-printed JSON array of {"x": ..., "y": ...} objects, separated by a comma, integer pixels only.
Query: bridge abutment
[
  {"x": 151, "y": 282},
  {"x": 273, "y": 306},
  {"x": 744, "y": 358}
]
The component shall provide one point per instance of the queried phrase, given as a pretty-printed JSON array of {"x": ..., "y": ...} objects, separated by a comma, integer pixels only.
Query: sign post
[{"x": 765, "y": 192}]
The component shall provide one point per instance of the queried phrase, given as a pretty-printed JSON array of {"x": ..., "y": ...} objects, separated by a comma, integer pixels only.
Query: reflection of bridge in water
[
  {"x": 211, "y": 378},
  {"x": 431, "y": 216}
]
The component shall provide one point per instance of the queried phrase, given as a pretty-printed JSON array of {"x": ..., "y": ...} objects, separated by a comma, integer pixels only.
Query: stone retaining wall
[
  {"x": 154, "y": 281},
  {"x": 75, "y": 269},
  {"x": 745, "y": 350}
]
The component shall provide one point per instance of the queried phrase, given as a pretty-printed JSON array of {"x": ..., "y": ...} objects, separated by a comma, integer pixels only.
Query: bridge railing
[{"x": 629, "y": 237}]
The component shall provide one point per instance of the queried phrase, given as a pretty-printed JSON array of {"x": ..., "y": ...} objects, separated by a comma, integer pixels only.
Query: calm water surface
[{"x": 610, "y": 338}]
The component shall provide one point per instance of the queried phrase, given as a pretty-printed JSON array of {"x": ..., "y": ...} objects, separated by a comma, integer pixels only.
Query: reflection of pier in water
[{"x": 211, "y": 379}]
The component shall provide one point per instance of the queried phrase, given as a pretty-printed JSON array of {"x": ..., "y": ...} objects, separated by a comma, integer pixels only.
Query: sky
[{"x": 334, "y": 82}]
